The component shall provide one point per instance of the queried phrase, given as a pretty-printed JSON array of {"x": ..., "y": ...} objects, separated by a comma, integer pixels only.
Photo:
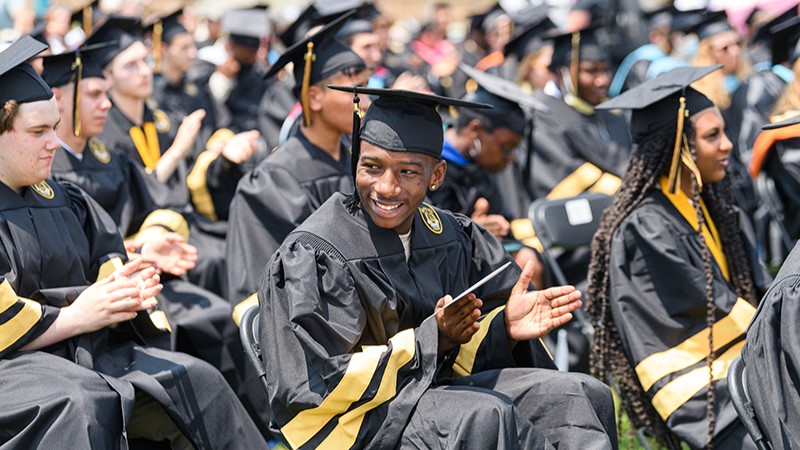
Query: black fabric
[
  {"x": 463, "y": 186},
  {"x": 330, "y": 291},
  {"x": 273, "y": 200},
  {"x": 245, "y": 97},
  {"x": 771, "y": 357},
  {"x": 651, "y": 248},
  {"x": 41, "y": 237},
  {"x": 711, "y": 23},
  {"x": 62, "y": 69},
  {"x": 564, "y": 139},
  {"x": 18, "y": 80},
  {"x": 531, "y": 39},
  {"x": 120, "y": 29},
  {"x": 590, "y": 48},
  {"x": 751, "y": 107}
]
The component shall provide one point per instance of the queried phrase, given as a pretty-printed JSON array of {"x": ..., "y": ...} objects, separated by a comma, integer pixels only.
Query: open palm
[{"x": 533, "y": 314}]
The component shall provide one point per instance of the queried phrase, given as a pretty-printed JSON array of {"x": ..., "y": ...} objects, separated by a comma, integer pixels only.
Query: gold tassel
[
  {"x": 76, "y": 110},
  {"x": 87, "y": 20},
  {"x": 686, "y": 157},
  {"x": 309, "y": 58},
  {"x": 158, "y": 31},
  {"x": 575, "y": 60},
  {"x": 674, "y": 179}
]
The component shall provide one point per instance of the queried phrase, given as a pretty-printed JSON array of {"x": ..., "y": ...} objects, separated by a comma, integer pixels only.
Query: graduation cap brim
[
  {"x": 19, "y": 52},
  {"x": 710, "y": 24},
  {"x": 765, "y": 32},
  {"x": 659, "y": 88},
  {"x": 295, "y": 52},
  {"x": 782, "y": 124},
  {"x": 531, "y": 38},
  {"x": 503, "y": 88},
  {"x": 411, "y": 96}
]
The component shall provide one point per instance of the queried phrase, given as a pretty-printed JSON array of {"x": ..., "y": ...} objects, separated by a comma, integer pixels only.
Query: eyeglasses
[{"x": 727, "y": 47}]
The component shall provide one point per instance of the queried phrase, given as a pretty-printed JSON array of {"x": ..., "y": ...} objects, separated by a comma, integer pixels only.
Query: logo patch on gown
[
  {"x": 431, "y": 218},
  {"x": 44, "y": 190},
  {"x": 190, "y": 89},
  {"x": 99, "y": 151},
  {"x": 161, "y": 120}
]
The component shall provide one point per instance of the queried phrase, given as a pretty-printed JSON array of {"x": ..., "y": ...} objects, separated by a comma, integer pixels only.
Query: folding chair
[
  {"x": 248, "y": 330},
  {"x": 568, "y": 223},
  {"x": 737, "y": 386}
]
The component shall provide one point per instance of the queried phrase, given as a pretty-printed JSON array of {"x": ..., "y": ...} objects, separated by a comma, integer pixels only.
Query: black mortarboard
[
  {"x": 660, "y": 17},
  {"x": 38, "y": 32},
  {"x": 683, "y": 21},
  {"x": 477, "y": 20},
  {"x": 246, "y": 26},
  {"x": 317, "y": 58},
  {"x": 354, "y": 26},
  {"x": 711, "y": 23},
  {"x": 72, "y": 67},
  {"x": 164, "y": 28},
  {"x": 783, "y": 123},
  {"x": 120, "y": 29},
  {"x": 662, "y": 103},
  {"x": 297, "y": 30},
  {"x": 400, "y": 121},
  {"x": 785, "y": 40},
  {"x": 530, "y": 39},
  {"x": 18, "y": 80},
  {"x": 582, "y": 42},
  {"x": 764, "y": 33},
  {"x": 336, "y": 7},
  {"x": 507, "y": 99}
]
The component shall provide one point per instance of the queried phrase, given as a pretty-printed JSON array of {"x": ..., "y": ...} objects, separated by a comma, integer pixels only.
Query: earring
[
  {"x": 433, "y": 187},
  {"x": 475, "y": 150}
]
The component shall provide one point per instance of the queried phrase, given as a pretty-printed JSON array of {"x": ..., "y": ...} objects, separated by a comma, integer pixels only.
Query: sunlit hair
[
  {"x": 713, "y": 84},
  {"x": 7, "y": 115},
  {"x": 789, "y": 101}
]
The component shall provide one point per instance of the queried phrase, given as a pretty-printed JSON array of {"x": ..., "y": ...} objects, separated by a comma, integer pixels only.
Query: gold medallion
[
  {"x": 99, "y": 151},
  {"x": 431, "y": 218},
  {"x": 161, "y": 121},
  {"x": 190, "y": 89},
  {"x": 44, "y": 189}
]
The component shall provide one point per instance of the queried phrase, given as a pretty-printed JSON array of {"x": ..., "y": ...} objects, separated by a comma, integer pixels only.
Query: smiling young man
[{"x": 348, "y": 302}]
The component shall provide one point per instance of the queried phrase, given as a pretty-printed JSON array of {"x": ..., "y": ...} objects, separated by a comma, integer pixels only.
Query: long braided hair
[{"x": 650, "y": 160}]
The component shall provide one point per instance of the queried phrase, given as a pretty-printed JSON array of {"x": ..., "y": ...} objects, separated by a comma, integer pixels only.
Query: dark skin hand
[{"x": 458, "y": 322}]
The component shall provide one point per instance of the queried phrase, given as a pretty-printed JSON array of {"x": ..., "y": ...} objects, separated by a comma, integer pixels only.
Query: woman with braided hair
[{"x": 673, "y": 280}]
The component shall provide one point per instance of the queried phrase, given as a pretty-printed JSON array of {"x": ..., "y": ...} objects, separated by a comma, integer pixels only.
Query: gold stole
[
  {"x": 146, "y": 143},
  {"x": 710, "y": 234}
]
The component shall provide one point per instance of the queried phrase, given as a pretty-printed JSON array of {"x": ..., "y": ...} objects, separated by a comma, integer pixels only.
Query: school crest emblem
[
  {"x": 431, "y": 218},
  {"x": 161, "y": 120},
  {"x": 99, "y": 151},
  {"x": 44, "y": 189},
  {"x": 190, "y": 89}
]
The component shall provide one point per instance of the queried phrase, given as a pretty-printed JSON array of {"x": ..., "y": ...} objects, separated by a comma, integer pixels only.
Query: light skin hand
[
  {"x": 493, "y": 223},
  {"x": 458, "y": 322},
  {"x": 170, "y": 253},
  {"x": 533, "y": 314},
  {"x": 241, "y": 146},
  {"x": 181, "y": 146}
]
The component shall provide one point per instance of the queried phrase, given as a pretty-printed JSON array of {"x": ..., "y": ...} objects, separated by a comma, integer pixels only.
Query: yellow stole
[
  {"x": 710, "y": 234},
  {"x": 146, "y": 143}
]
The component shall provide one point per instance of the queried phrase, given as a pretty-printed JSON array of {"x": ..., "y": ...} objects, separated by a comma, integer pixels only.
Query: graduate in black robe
[
  {"x": 771, "y": 355},
  {"x": 301, "y": 174},
  {"x": 75, "y": 367},
  {"x": 577, "y": 148},
  {"x": 198, "y": 321},
  {"x": 670, "y": 266},
  {"x": 144, "y": 140},
  {"x": 356, "y": 355}
]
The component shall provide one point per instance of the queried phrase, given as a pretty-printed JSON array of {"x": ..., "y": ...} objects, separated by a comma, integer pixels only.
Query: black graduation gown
[
  {"x": 574, "y": 152},
  {"x": 751, "y": 107},
  {"x": 180, "y": 100},
  {"x": 771, "y": 357},
  {"x": 782, "y": 164},
  {"x": 245, "y": 97},
  {"x": 463, "y": 186},
  {"x": 657, "y": 291},
  {"x": 353, "y": 360},
  {"x": 175, "y": 194},
  {"x": 271, "y": 201},
  {"x": 199, "y": 320},
  {"x": 276, "y": 104},
  {"x": 79, "y": 393}
]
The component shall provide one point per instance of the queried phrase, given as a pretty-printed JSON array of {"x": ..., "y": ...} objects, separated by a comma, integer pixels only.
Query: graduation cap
[
  {"x": 569, "y": 49},
  {"x": 164, "y": 28},
  {"x": 785, "y": 39},
  {"x": 477, "y": 21},
  {"x": 84, "y": 14},
  {"x": 38, "y": 32},
  {"x": 683, "y": 21},
  {"x": 400, "y": 121},
  {"x": 661, "y": 16},
  {"x": 72, "y": 67},
  {"x": 530, "y": 39},
  {"x": 354, "y": 26},
  {"x": 120, "y": 29},
  {"x": 246, "y": 26},
  {"x": 711, "y": 23},
  {"x": 317, "y": 58},
  {"x": 18, "y": 80},
  {"x": 764, "y": 33},
  {"x": 508, "y": 101},
  {"x": 298, "y": 29},
  {"x": 661, "y": 103}
]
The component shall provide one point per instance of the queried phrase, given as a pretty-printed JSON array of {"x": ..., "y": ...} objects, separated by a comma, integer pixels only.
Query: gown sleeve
[{"x": 326, "y": 390}]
